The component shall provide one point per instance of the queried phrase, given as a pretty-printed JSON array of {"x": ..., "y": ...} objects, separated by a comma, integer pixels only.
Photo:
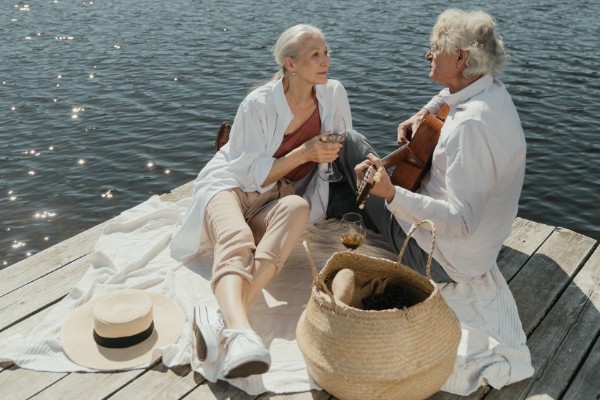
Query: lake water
[{"x": 105, "y": 103}]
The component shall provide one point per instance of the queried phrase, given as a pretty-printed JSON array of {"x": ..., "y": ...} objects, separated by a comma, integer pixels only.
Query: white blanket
[{"x": 133, "y": 252}]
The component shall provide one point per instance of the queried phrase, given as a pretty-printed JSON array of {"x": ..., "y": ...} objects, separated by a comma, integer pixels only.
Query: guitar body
[
  {"x": 410, "y": 163},
  {"x": 414, "y": 162}
]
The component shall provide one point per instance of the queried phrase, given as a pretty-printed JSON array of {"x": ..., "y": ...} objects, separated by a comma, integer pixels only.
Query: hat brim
[{"x": 78, "y": 341}]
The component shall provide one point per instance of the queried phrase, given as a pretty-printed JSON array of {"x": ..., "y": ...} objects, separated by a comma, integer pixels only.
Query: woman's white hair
[
  {"x": 289, "y": 44},
  {"x": 474, "y": 32}
]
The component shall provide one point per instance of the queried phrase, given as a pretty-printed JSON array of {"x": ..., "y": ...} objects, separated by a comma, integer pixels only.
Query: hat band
[{"x": 124, "y": 341}]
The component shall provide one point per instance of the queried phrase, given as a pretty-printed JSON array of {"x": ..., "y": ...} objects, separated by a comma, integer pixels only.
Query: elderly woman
[{"x": 253, "y": 200}]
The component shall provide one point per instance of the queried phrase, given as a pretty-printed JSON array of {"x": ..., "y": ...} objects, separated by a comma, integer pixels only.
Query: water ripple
[{"x": 150, "y": 82}]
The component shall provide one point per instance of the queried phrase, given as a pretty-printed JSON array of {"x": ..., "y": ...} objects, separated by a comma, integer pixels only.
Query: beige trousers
[{"x": 248, "y": 226}]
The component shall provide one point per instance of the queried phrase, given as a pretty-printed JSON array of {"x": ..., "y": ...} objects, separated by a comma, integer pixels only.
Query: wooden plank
[
  {"x": 563, "y": 338},
  {"x": 547, "y": 273},
  {"x": 312, "y": 395},
  {"x": 83, "y": 385},
  {"x": 21, "y": 329},
  {"x": 587, "y": 382},
  {"x": 556, "y": 372},
  {"x": 39, "y": 265},
  {"x": 29, "y": 299},
  {"x": 18, "y": 383},
  {"x": 178, "y": 193},
  {"x": 218, "y": 391},
  {"x": 526, "y": 237},
  {"x": 477, "y": 395},
  {"x": 89, "y": 385},
  {"x": 160, "y": 383}
]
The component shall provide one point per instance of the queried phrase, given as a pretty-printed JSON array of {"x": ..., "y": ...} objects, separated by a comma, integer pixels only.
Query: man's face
[{"x": 444, "y": 67}]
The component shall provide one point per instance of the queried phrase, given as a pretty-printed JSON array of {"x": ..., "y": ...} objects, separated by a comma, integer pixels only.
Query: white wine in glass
[
  {"x": 337, "y": 134},
  {"x": 353, "y": 230}
]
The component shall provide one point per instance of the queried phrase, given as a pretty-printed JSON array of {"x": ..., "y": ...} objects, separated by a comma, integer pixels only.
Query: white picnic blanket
[{"x": 132, "y": 252}]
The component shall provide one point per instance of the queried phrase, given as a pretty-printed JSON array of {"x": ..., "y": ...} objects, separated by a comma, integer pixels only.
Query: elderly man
[
  {"x": 471, "y": 194},
  {"x": 472, "y": 190}
]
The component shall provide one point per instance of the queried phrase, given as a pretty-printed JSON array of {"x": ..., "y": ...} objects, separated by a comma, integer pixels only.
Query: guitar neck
[{"x": 392, "y": 159}]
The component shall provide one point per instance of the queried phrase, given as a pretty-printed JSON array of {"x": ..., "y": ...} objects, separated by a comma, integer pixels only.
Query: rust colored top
[{"x": 308, "y": 130}]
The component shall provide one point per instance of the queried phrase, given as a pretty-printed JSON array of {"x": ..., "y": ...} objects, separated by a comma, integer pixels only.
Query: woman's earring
[{"x": 293, "y": 73}]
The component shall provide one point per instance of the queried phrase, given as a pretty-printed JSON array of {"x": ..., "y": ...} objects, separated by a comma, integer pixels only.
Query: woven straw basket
[{"x": 390, "y": 354}]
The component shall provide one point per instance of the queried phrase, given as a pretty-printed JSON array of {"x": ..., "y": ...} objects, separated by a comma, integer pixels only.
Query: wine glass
[
  {"x": 336, "y": 134},
  {"x": 353, "y": 230}
]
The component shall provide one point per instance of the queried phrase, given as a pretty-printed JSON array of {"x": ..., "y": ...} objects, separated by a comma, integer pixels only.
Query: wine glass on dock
[
  {"x": 353, "y": 230},
  {"x": 336, "y": 134}
]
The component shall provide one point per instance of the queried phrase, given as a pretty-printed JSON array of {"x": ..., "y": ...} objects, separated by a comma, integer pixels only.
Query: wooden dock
[{"x": 554, "y": 274}]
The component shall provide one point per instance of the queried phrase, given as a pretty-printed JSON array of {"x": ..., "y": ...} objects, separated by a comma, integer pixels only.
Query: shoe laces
[
  {"x": 241, "y": 336},
  {"x": 220, "y": 322},
  {"x": 218, "y": 325}
]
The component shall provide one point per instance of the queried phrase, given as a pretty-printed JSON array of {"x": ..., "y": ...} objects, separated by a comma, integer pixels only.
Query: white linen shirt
[
  {"x": 472, "y": 191},
  {"x": 246, "y": 160}
]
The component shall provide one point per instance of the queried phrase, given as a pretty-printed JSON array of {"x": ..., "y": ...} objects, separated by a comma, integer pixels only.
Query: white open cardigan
[{"x": 245, "y": 161}]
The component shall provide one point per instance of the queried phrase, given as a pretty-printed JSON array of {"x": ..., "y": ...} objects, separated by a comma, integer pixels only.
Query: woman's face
[{"x": 312, "y": 64}]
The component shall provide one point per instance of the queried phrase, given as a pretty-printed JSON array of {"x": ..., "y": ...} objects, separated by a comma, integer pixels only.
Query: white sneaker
[
  {"x": 208, "y": 328},
  {"x": 246, "y": 354}
]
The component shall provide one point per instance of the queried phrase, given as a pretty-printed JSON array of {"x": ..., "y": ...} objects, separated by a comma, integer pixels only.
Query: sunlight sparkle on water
[
  {"x": 45, "y": 214},
  {"x": 75, "y": 111},
  {"x": 31, "y": 173},
  {"x": 150, "y": 164},
  {"x": 17, "y": 244},
  {"x": 81, "y": 161},
  {"x": 107, "y": 194}
]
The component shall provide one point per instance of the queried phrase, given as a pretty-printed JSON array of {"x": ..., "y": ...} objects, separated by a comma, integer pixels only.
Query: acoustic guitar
[{"x": 410, "y": 162}]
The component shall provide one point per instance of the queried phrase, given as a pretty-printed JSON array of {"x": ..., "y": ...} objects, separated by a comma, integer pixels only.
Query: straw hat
[{"x": 120, "y": 329}]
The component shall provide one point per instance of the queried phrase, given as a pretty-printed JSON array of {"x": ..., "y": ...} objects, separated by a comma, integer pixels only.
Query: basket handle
[
  {"x": 317, "y": 281},
  {"x": 409, "y": 236}
]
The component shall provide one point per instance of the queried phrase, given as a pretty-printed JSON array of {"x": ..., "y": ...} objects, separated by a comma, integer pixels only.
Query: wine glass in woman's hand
[{"x": 336, "y": 134}]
